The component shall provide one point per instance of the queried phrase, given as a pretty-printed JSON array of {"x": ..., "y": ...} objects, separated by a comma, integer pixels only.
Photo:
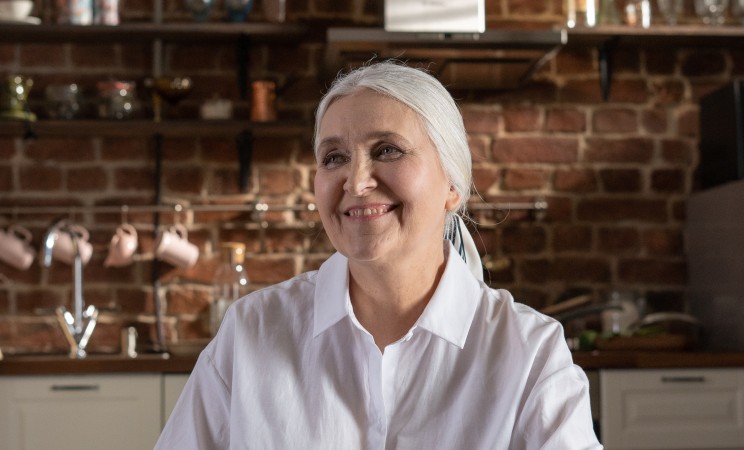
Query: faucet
[{"x": 78, "y": 326}]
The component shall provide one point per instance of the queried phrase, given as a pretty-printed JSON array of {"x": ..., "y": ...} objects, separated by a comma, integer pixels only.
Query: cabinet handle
[
  {"x": 74, "y": 387},
  {"x": 683, "y": 379}
]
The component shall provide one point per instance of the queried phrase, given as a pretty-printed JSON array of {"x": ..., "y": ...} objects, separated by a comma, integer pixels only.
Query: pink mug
[
  {"x": 15, "y": 247},
  {"x": 64, "y": 250},
  {"x": 172, "y": 246},
  {"x": 122, "y": 247}
]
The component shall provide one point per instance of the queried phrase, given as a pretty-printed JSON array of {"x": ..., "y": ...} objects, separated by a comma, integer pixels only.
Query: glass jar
[
  {"x": 116, "y": 99},
  {"x": 62, "y": 101},
  {"x": 230, "y": 282}
]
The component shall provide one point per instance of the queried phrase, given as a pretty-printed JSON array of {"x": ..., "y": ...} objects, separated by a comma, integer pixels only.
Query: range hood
[{"x": 495, "y": 59}]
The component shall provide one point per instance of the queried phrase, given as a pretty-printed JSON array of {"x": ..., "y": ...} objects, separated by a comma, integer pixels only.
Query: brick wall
[{"x": 615, "y": 173}]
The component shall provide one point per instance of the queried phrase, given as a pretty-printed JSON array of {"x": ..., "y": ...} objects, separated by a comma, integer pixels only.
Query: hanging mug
[
  {"x": 122, "y": 247},
  {"x": 173, "y": 246},
  {"x": 15, "y": 247}
]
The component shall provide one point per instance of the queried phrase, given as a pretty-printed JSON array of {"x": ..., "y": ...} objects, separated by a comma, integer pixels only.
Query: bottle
[{"x": 230, "y": 282}]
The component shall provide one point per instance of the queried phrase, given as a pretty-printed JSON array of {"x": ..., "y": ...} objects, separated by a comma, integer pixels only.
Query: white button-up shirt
[{"x": 292, "y": 368}]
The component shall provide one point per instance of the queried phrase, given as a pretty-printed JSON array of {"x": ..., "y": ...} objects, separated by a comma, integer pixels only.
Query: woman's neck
[{"x": 389, "y": 298}]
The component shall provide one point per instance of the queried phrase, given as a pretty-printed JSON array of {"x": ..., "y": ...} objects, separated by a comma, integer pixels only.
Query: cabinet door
[
  {"x": 672, "y": 409},
  {"x": 80, "y": 412}
]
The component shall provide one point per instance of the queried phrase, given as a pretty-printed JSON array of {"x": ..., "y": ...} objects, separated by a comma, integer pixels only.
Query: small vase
[{"x": 238, "y": 10}]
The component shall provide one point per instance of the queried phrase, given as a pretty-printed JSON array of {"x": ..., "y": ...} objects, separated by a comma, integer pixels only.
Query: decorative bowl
[{"x": 15, "y": 9}]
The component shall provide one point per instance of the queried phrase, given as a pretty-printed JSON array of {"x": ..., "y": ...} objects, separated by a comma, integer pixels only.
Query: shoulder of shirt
[{"x": 500, "y": 307}]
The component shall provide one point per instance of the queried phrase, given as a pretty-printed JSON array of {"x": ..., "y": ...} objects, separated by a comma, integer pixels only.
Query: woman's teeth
[{"x": 366, "y": 211}]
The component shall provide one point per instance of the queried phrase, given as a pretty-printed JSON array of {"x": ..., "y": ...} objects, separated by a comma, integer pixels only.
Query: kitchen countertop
[
  {"x": 157, "y": 363},
  {"x": 628, "y": 359},
  {"x": 96, "y": 364}
]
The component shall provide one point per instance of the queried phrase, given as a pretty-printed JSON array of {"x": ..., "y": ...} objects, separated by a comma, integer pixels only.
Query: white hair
[{"x": 428, "y": 98}]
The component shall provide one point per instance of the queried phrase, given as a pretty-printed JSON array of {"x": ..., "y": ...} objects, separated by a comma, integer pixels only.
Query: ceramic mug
[
  {"x": 15, "y": 247},
  {"x": 64, "y": 250},
  {"x": 122, "y": 247},
  {"x": 172, "y": 246}
]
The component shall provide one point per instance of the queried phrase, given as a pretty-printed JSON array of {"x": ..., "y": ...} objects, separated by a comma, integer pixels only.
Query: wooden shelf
[
  {"x": 147, "y": 31},
  {"x": 183, "y": 128},
  {"x": 657, "y": 35},
  {"x": 509, "y": 56}
]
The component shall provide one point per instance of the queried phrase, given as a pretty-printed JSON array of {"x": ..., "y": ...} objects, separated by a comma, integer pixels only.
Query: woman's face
[{"x": 380, "y": 188}]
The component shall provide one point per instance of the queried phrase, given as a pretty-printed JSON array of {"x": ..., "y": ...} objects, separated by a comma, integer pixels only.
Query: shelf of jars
[
  {"x": 147, "y": 31},
  {"x": 146, "y": 128}
]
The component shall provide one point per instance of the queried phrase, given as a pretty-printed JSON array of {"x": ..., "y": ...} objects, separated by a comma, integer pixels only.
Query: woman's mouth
[{"x": 368, "y": 210}]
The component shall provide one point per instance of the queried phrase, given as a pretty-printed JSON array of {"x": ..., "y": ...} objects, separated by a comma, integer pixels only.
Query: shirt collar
[
  {"x": 448, "y": 314},
  {"x": 331, "y": 293},
  {"x": 451, "y": 309}
]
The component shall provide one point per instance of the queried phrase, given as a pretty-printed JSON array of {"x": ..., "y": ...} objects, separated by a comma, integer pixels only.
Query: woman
[{"x": 393, "y": 342}]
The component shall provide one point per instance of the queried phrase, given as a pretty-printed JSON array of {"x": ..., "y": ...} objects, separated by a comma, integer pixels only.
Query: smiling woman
[{"x": 394, "y": 342}]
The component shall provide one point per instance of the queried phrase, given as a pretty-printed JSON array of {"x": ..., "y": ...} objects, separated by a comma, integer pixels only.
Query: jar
[
  {"x": 230, "y": 282},
  {"x": 62, "y": 101},
  {"x": 263, "y": 101},
  {"x": 75, "y": 12},
  {"x": 116, "y": 99},
  {"x": 106, "y": 12}
]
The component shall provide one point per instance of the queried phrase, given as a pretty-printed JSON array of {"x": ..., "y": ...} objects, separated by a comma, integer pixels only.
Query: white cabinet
[
  {"x": 80, "y": 412},
  {"x": 672, "y": 409}
]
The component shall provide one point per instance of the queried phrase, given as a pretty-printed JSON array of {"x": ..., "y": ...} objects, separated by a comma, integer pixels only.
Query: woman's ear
[{"x": 453, "y": 199}]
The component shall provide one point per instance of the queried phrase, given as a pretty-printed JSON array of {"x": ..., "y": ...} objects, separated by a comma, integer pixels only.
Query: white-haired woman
[{"x": 394, "y": 342}]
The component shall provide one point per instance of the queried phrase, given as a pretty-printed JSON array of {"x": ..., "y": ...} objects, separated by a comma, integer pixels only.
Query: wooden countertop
[
  {"x": 626, "y": 359},
  {"x": 156, "y": 363},
  {"x": 96, "y": 364}
]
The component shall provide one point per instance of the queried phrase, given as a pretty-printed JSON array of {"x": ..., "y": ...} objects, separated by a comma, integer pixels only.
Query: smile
[{"x": 368, "y": 211}]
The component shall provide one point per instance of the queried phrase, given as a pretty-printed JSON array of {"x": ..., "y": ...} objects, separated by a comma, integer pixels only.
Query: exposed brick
[
  {"x": 183, "y": 179},
  {"x": 40, "y": 178},
  {"x": 6, "y": 178},
  {"x": 630, "y": 150},
  {"x": 661, "y": 61},
  {"x": 535, "y": 150},
  {"x": 565, "y": 120},
  {"x": 265, "y": 269},
  {"x": 678, "y": 151},
  {"x": 134, "y": 179},
  {"x": 60, "y": 149},
  {"x": 188, "y": 299},
  {"x": 638, "y": 270},
  {"x": 616, "y": 120},
  {"x": 522, "y": 119},
  {"x": 703, "y": 62},
  {"x": 629, "y": 91},
  {"x": 620, "y": 180},
  {"x": 479, "y": 149},
  {"x": 575, "y": 180},
  {"x": 618, "y": 240},
  {"x": 517, "y": 179},
  {"x": 663, "y": 241},
  {"x": 93, "y": 54},
  {"x": 621, "y": 209},
  {"x": 87, "y": 179},
  {"x": 688, "y": 123},
  {"x": 568, "y": 270},
  {"x": 127, "y": 149},
  {"x": 668, "y": 92},
  {"x": 654, "y": 120},
  {"x": 277, "y": 181},
  {"x": 523, "y": 239},
  {"x": 572, "y": 238},
  {"x": 481, "y": 120},
  {"x": 46, "y": 55},
  {"x": 668, "y": 180},
  {"x": 484, "y": 178}
]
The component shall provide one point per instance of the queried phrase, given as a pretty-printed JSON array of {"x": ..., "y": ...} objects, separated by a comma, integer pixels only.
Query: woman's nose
[{"x": 360, "y": 178}]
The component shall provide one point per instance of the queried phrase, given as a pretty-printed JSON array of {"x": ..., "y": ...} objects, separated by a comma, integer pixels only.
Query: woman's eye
[
  {"x": 389, "y": 152},
  {"x": 333, "y": 159}
]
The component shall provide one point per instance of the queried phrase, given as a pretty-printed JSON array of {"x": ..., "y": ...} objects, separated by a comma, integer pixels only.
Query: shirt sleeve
[
  {"x": 556, "y": 414},
  {"x": 200, "y": 419}
]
